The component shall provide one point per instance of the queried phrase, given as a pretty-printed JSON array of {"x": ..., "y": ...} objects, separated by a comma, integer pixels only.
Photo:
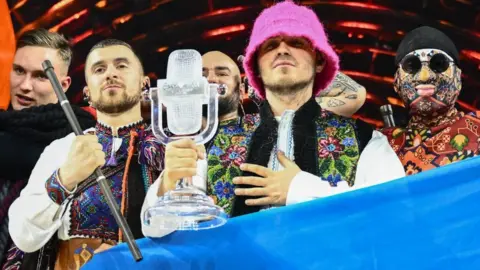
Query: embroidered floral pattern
[
  {"x": 227, "y": 152},
  {"x": 334, "y": 179},
  {"x": 337, "y": 151},
  {"x": 459, "y": 142},
  {"x": 224, "y": 189},
  {"x": 329, "y": 147},
  {"x": 234, "y": 154},
  {"x": 89, "y": 214},
  {"x": 14, "y": 258},
  {"x": 412, "y": 168},
  {"x": 424, "y": 149},
  {"x": 416, "y": 137},
  {"x": 456, "y": 157},
  {"x": 55, "y": 190}
]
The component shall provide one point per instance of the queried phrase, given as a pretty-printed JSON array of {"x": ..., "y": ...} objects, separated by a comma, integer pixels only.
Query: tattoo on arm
[
  {"x": 335, "y": 103},
  {"x": 342, "y": 83},
  {"x": 353, "y": 96}
]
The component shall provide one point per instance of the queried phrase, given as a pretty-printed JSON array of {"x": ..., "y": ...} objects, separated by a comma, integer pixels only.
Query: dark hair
[
  {"x": 43, "y": 38},
  {"x": 115, "y": 42}
]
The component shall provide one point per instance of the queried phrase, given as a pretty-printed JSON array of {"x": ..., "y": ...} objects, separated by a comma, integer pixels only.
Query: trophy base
[{"x": 186, "y": 209}]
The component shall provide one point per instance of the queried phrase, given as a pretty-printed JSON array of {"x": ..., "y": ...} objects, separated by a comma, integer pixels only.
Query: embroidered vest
[
  {"x": 337, "y": 144},
  {"x": 422, "y": 150}
]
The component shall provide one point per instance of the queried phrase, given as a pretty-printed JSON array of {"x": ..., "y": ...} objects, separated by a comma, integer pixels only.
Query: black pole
[
  {"x": 102, "y": 181},
  {"x": 387, "y": 114}
]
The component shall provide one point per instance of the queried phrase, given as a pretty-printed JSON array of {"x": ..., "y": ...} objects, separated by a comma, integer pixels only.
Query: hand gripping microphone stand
[{"x": 102, "y": 181}]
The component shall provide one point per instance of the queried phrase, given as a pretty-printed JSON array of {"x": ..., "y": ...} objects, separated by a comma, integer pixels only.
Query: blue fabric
[{"x": 427, "y": 221}]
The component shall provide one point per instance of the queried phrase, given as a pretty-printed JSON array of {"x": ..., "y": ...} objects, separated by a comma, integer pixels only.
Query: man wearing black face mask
[{"x": 428, "y": 80}]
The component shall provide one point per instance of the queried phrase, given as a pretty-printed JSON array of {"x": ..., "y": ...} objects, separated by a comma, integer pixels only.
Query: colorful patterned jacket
[
  {"x": 426, "y": 149},
  {"x": 339, "y": 142}
]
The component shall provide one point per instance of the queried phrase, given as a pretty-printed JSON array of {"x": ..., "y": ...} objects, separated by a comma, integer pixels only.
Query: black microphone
[
  {"x": 102, "y": 181},
  {"x": 387, "y": 114}
]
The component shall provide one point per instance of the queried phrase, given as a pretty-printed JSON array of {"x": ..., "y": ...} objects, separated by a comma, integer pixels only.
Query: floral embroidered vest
[
  {"x": 338, "y": 153},
  {"x": 422, "y": 150}
]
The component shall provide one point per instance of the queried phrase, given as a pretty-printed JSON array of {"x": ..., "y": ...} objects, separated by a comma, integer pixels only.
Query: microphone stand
[
  {"x": 102, "y": 181},
  {"x": 387, "y": 114}
]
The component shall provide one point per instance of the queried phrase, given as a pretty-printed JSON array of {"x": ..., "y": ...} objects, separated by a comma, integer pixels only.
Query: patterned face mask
[{"x": 428, "y": 81}]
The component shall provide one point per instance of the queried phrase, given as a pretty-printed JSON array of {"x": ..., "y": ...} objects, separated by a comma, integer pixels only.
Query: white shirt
[{"x": 34, "y": 217}]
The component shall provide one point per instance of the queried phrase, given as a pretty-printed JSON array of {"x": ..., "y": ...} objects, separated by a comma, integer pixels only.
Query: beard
[
  {"x": 289, "y": 86},
  {"x": 226, "y": 104},
  {"x": 125, "y": 103}
]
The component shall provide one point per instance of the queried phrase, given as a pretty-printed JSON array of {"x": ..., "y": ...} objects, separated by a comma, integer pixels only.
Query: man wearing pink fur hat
[
  {"x": 300, "y": 151},
  {"x": 293, "y": 151}
]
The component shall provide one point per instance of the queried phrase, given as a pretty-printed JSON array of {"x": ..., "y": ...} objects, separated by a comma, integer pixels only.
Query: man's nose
[
  {"x": 111, "y": 72},
  {"x": 283, "y": 49},
  {"x": 27, "y": 84},
  {"x": 212, "y": 78}
]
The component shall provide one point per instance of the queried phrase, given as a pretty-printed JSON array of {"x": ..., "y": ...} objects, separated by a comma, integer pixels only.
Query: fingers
[
  {"x": 86, "y": 143},
  {"x": 181, "y": 153},
  {"x": 286, "y": 163},
  {"x": 185, "y": 148},
  {"x": 259, "y": 201},
  {"x": 181, "y": 160},
  {"x": 257, "y": 169},
  {"x": 183, "y": 143},
  {"x": 96, "y": 146},
  {"x": 251, "y": 192},
  {"x": 250, "y": 180},
  {"x": 99, "y": 158},
  {"x": 182, "y": 163},
  {"x": 173, "y": 175},
  {"x": 201, "y": 152}
]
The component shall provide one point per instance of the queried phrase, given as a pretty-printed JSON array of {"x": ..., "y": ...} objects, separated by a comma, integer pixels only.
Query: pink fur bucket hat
[{"x": 287, "y": 18}]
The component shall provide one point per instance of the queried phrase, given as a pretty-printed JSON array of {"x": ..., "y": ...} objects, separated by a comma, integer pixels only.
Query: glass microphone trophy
[{"x": 183, "y": 93}]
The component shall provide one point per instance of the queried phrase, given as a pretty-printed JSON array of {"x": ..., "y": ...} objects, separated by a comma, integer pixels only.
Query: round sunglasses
[{"x": 438, "y": 63}]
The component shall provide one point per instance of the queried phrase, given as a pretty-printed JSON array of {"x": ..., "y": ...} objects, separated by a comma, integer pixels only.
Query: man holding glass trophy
[
  {"x": 292, "y": 152},
  {"x": 183, "y": 203}
]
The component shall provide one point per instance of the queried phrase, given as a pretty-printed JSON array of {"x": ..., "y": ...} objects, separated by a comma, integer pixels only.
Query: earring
[
  {"x": 145, "y": 92},
  {"x": 241, "y": 107},
  {"x": 86, "y": 99}
]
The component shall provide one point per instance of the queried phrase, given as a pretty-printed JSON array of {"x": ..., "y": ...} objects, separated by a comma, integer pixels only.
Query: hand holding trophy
[{"x": 183, "y": 93}]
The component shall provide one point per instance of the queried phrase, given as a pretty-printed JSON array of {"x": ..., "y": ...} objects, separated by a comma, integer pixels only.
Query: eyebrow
[
  {"x": 219, "y": 68},
  {"x": 18, "y": 66},
  {"x": 36, "y": 71},
  {"x": 222, "y": 68},
  {"x": 121, "y": 59},
  {"x": 116, "y": 60}
]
